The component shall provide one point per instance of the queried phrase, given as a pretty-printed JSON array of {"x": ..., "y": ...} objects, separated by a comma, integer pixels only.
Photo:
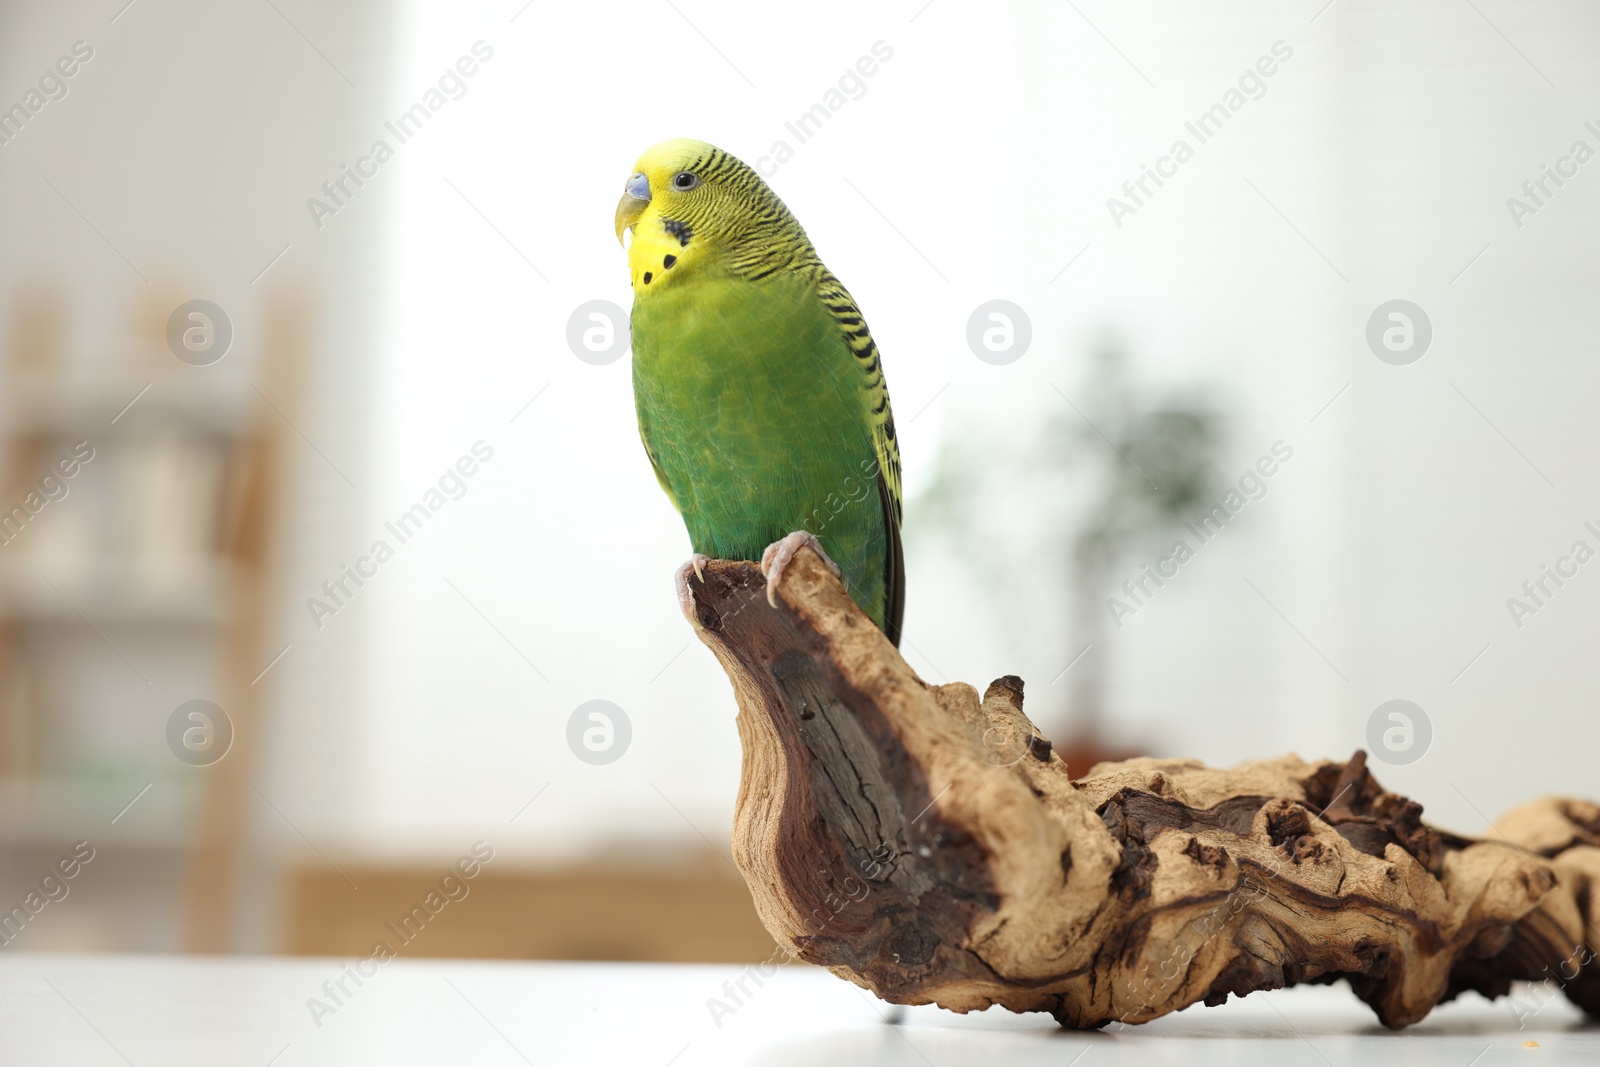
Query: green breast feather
[{"x": 757, "y": 418}]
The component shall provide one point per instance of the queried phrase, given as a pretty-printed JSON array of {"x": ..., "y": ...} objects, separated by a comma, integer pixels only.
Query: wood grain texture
[{"x": 926, "y": 843}]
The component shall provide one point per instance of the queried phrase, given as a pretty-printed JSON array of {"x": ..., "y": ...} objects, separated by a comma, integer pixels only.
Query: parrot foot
[
  {"x": 778, "y": 554},
  {"x": 697, "y": 564}
]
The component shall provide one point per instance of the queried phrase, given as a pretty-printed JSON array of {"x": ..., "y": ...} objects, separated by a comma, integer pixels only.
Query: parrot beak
[{"x": 634, "y": 200}]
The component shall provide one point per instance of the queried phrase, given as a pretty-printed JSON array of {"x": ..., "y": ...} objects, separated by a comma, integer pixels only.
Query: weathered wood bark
[{"x": 924, "y": 842}]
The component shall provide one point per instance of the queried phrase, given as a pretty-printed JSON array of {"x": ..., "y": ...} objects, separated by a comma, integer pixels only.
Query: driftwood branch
[{"x": 925, "y": 842}]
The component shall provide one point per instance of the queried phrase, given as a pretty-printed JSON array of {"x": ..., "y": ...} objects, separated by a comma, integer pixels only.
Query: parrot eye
[{"x": 683, "y": 181}]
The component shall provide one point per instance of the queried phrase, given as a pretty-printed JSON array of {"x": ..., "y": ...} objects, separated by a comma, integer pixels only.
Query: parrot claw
[
  {"x": 778, "y": 555},
  {"x": 696, "y": 563}
]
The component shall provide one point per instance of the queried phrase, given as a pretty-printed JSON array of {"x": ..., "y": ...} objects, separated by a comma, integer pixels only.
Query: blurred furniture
[
  {"x": 139, "y": 584},
  {"x": 694, "y": 912}
]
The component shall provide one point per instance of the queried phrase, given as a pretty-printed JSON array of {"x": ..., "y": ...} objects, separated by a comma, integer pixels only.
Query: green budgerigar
[{"x": 760, "y": 392}]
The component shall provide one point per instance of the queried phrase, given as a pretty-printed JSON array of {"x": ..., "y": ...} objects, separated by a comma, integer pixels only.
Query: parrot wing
[{"x": 886, "y": 445}]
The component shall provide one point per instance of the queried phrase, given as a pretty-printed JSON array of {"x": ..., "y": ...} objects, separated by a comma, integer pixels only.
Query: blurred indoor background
[{"x": 401, "y": 317}]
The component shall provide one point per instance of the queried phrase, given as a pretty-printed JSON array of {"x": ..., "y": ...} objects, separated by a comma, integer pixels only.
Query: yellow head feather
[{"x": 694, "y": 208}]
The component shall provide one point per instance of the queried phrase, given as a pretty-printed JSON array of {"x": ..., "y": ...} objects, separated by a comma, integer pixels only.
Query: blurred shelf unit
[
  {"x": 48, "y": 812},
  {"x": 136, "y": 533},
  {"x": 125, "y": 576}
]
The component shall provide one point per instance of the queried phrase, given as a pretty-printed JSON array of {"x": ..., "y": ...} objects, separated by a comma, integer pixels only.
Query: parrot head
[{"x": 692, "y": 208}]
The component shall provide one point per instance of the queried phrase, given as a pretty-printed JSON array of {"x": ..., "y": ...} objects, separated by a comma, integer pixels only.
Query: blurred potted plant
[{"x": 1134, "y": 461}]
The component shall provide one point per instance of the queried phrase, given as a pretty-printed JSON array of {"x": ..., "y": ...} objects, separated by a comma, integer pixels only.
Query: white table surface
[{"x": 175, "y": 1011}]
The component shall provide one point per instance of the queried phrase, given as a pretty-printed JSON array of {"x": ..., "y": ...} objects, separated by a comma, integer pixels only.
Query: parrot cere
[{"x": 759, "y": 390}]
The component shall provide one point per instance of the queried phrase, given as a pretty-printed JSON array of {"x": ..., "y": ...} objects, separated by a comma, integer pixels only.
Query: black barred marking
[
  {"x": 677, "y": 229},
  {"x": 647, "y": 277},
  {"x": 669, "y": 261},
  {"x": 714, "y": 165},
  {"x": 770, "y": 242}
]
